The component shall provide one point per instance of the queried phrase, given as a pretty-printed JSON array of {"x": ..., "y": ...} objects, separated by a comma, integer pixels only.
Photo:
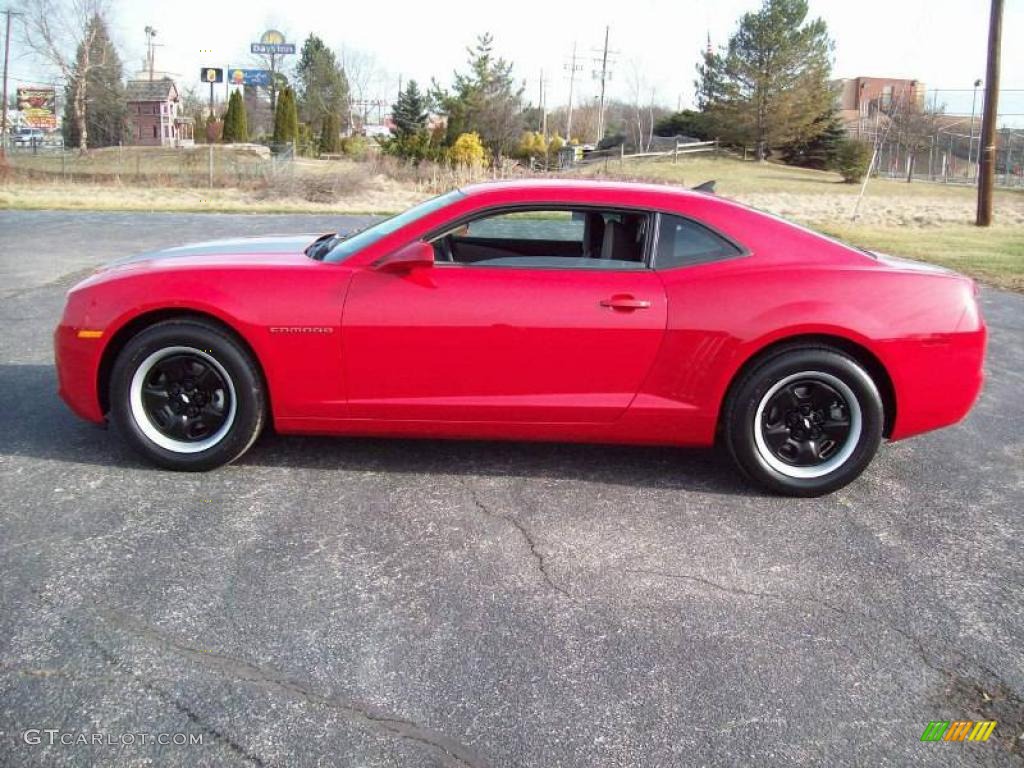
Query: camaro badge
[{"x": 301, "y": 329}]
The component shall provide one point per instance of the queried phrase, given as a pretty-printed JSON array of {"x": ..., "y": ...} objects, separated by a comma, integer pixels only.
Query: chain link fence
[{"x": 198, "y": 166}]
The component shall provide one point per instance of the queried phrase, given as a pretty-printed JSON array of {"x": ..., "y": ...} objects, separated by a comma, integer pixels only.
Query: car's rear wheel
[
  {"x": 804, "y": 421},
  {"x": 186, "y": 395}
]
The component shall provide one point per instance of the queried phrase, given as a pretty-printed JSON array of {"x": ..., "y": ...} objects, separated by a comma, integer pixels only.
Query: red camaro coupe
[{"x": 562, "y": 310}]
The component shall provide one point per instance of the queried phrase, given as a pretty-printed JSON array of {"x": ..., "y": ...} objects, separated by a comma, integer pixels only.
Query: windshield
[{"x": 369, "y": 236}]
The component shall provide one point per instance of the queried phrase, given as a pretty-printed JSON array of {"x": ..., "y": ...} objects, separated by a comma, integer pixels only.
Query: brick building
[
  {"x": 153, "y": 114},
  {"x": 863, "y": 100}
]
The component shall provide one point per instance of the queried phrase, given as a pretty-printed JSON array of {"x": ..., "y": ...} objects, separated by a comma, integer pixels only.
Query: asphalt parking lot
[{"x": 345, "y": 602}]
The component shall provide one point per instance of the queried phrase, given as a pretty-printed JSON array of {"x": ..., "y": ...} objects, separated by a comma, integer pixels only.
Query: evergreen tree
[
  {"x": 286, "y": 118},
  {"x": 322, "y": 85},
  {"x": 772, "y": 85},
  {"x": 228, "y": 132},
  {"x": 236, "y": 129},
  {"x": 709, "y": 79},
  {"x": 698, "y": 125},
  {"x": 409, "y": 113},
  {"x": 486, "y": 100},
  {"x": 819, "y": 149},
  {"x": 241, "y": 121},
  {"x": 99, "y": 92},
  {"x": 329, "y": 137}
]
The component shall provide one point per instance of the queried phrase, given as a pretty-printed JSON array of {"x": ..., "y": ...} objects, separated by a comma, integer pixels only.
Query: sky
[{"x": 656, "y": 43}]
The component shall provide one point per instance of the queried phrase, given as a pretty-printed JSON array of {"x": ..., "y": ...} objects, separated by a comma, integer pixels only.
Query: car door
[{"x": 511, "y": 339}]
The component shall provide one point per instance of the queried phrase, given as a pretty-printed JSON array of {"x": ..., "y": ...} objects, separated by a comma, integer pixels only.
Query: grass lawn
[
  {"x": 921, "y": 220},
  {"x": 994, "y": 255}
]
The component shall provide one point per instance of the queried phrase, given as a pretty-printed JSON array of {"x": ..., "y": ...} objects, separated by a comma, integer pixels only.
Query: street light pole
[
  {"x": 987, "y": 143},
  {"x": 970, "y": 144}
]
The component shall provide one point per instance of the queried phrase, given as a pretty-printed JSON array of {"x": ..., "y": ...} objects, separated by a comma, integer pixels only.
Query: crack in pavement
[
  {"x": 918, "y": 645},
  {"x": 239, "y": 670},
  {"x": 193, "y": 717},
  {"x": 247, "y": 672},
  {"x": 538, "y": 556}
]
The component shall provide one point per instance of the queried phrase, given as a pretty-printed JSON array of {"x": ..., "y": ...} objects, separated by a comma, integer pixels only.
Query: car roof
[{"x": 578, "y": 185}]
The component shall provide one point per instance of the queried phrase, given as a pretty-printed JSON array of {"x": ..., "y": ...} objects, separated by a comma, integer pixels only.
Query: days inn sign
[{"x": 272, "y": 42}]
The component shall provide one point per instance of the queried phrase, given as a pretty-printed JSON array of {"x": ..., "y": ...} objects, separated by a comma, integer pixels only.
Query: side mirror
[{"x": 406, "y": 258}]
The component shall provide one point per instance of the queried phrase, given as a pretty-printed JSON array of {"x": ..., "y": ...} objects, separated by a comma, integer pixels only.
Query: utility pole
[
  {"x": 987, "y": 143},
  {"x": 573, "y": 69},
  {"x": 605, "y": 75},
  {"x": 150, "y": 34},
  {"x": 4, "y": 132},
  {"x": 543, "y": 109}
]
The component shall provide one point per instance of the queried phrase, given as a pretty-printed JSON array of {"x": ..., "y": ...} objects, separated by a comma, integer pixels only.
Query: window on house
[
  {"x": 156, "y": 133},
  {"x": 887, "y": 97}
]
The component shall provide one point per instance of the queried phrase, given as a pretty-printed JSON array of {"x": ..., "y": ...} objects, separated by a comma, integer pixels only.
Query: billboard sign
[
  {"x": 211, "y": 75},
  {"x": 37, "y": 106},
  {"x": 238, "y": 76}
]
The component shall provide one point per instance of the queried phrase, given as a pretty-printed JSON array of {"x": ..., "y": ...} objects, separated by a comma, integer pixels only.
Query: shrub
[
  {"x": 468, "y": 149},
  {"x": 355, "y": 147},
  {"x": 853, "y": 159},
  {"x": 611, "y": 140},
  {"x": 532, "y": 144}
]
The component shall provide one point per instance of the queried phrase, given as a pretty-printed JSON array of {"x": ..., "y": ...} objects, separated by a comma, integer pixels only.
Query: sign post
[
  {"x": 272, "y": 44},
  {"x": 212, "y": 75}
]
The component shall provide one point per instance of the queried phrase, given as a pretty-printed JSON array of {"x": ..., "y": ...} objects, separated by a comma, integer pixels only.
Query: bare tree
[
  {"x": 61, "y": 33},
  {"x": 642, "y": 119},
  {"x": 366, "y": 83},
  {"x": 915, "y": 129}
]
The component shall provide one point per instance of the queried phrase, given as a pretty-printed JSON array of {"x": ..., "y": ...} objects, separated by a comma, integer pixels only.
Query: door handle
[{"x": 625, "y": 302}]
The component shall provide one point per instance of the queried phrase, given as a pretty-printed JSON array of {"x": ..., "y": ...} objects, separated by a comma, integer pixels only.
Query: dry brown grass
[{"x": 919, "y": 220}]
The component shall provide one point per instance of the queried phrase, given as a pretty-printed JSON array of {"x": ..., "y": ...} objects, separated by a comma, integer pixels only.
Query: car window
[
  {"x": 359, "y": 240},
  {"x": 549, "y": 238},
  {"x": 530, "y": 225},
  {"x": 683, "y": 242}
]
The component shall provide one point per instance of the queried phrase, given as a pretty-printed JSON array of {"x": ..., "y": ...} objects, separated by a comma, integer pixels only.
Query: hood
[{"x": 235, "y": 247}]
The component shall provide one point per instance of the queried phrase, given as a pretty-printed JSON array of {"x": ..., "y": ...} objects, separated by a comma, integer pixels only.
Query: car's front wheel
[
  {"x": 186, "y": 395},
  {"x": 805, "y": 421}
]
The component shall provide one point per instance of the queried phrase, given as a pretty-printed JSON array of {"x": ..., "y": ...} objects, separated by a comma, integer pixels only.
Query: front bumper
[{"x": 78, "y": 365}]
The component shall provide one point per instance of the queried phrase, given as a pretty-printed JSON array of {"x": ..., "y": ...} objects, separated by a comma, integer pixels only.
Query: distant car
[{"x": 563, "y": 310}]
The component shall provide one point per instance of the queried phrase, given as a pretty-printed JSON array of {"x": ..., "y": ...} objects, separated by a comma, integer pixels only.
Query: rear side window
[{"x": 682, "y": 243}]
